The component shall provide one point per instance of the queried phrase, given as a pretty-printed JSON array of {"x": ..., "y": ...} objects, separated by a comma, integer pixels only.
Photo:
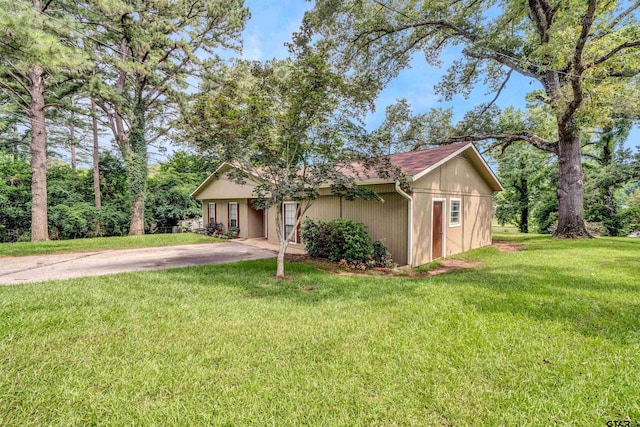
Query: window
[
  {"x": 233, "y": 215},
  {"x": 455, "y": 212},
  {"x": 212, "y": 213},
  {"x": 289, "y": 213}
]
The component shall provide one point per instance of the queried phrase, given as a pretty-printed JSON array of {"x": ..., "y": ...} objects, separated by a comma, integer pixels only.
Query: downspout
[{"x": 409, "y": 224}]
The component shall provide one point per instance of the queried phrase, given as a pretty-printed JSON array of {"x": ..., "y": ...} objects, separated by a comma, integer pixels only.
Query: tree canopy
[
  {"x": 584, "y": 55},
  {"x": 288, "y": 123}
]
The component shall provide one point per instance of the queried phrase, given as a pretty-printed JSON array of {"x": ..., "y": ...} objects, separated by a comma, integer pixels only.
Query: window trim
[
  {"x": 237, "y": 205},
  {"x": 215, "y": 213},
  {"x": 296, "y": 238},
  {"x": 451, "y": 211}
]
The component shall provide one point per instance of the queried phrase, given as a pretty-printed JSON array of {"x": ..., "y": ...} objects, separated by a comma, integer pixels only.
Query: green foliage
[
  {"x": 382, "y": 255},
  {"x": 169, "y": 198},
  {"x": 71, "y": 222},
  {"x": 232, "y": 233},
  {"x": 337, "y": 240},
  {"x": 630, "y": 214},
  {"x": 113, "y": 219},
  {"x": 608, "y": 168},
  {"x": 526, "y": 176},
  {"x": 347, "y": 240},
  {"x": 15, "y": 196},
  {"x": 402, "y": 130},
  {"x": 70, "y": 196}
]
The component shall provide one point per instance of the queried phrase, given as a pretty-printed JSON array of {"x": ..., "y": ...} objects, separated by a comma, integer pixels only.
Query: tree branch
[
  {"x": 536, "y": 141},
  {"x": 578, "y": 66},
  {"x": 619, "y": 19},
  {"x": 23, "y": 103},
  {"x": 623, "y": 46},
  {"x": 508, "y": 60},
  {"x": 500, "y": 89}
]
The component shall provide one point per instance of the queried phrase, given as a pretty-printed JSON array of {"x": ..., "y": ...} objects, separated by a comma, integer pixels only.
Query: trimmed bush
[
  {"x": 382, "y": 255},
  {"x": 344, "y": 240}
]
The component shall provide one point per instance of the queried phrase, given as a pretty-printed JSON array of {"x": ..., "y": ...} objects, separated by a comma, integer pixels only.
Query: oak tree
[{"x": 582, "y": 55}]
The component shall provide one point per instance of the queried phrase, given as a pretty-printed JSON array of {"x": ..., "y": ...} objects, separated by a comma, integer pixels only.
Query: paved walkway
[{"x": 37, "y": 268}]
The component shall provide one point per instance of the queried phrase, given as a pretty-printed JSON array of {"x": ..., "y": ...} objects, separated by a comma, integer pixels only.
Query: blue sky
[{"x": 273, "y": 21}]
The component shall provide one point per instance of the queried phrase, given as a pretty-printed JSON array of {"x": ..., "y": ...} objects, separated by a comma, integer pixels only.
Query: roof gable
[{"x": 414, "y": 164}]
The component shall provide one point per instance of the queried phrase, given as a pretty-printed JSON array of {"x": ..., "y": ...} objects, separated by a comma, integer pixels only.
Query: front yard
[
  {"x": 547, "y": 335},
  {"x": 99, "y": 243}
]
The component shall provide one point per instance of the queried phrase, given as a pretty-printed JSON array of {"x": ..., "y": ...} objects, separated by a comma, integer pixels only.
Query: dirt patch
[
  {"x": 508, "y": 247},
  {"x": 447, "y": 265}
]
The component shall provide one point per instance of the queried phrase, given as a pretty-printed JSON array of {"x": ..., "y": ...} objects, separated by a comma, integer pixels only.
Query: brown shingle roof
[
  {"x": 411, "y": 162},
  {"x": 414, "y": 162}
]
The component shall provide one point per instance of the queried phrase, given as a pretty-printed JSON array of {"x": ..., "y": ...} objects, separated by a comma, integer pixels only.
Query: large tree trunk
[
  {"x": 72, "y": 138},
  {"x": 96, "y": 166},
  {"x": 96, "y": 157},
  {"x": 571, "y": 186},
  {"x": 524, "y": 220},
  {"x": 39, "y": 226},
  {"x": 523, "y": 188},
  {"x": 137, "y": 171}
]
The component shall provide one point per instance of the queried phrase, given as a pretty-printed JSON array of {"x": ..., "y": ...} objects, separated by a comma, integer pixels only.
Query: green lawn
[
  {"x": 546, "y": 336},
  {"x": 83, "y": 245}
]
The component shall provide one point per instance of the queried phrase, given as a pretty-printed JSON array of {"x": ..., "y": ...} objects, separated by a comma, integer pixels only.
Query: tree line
[
  {"x": 124, "y": 66},
  {"x": 152, "y": 72},
  {"x": 72, "y": 212}
]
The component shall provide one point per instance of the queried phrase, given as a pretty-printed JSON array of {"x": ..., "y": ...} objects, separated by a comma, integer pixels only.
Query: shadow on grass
[
  {"x": 304, "y": 284},
  {"x": 591, "y": 306},
  {"x": 538, "y": 287}
]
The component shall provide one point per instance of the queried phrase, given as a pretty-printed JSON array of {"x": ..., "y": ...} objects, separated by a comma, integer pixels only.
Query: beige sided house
[{"x": 447, "y": 212}]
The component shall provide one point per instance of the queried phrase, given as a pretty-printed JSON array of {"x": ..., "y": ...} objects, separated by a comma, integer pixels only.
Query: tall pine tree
[
  {"x": 145, "y": 52},
  {"x": 38, "y": 52}
]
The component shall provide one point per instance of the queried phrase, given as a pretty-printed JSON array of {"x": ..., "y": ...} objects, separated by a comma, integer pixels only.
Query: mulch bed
[{"x": 446, "y": 265}]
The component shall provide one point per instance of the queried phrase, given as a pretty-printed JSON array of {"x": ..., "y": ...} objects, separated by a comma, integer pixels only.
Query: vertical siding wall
[
  {"x": 384, "y": 220},
  {"x": 455, "y": 179}
]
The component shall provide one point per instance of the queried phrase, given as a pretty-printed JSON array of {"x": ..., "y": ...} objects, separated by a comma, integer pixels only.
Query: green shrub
[
  {"x": 343, "y": 239},
  {"x": 71, "y": 222},
  {"x": 232, "y": 232},
  {"x": 382, "y": 255},
  {"x": 630, "y": 217},
  {"x": 114, "y": 221}
]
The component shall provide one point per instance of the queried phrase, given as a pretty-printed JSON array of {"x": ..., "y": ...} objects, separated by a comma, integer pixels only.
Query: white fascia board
[
  {"x": 440, "y": 163},
  {"x": 493, "y": 175}
]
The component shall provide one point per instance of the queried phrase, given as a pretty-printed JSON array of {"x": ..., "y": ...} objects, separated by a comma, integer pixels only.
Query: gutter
[{"x": 409, "y": 224}]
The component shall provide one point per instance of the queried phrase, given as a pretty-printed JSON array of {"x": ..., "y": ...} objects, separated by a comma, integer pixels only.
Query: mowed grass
[
  {"x": 83, "y": 245},
  {"x": 546, "y": 336}
]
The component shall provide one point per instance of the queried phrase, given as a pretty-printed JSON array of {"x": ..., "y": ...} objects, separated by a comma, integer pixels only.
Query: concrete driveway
[{"x": 38, "y": 268}]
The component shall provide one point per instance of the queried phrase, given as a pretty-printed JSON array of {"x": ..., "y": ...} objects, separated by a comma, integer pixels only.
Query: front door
[{"x": 436, "y": 231}]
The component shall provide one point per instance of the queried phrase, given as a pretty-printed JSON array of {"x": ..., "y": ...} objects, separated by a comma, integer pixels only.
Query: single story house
[{"x": 448, "y": 210}]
